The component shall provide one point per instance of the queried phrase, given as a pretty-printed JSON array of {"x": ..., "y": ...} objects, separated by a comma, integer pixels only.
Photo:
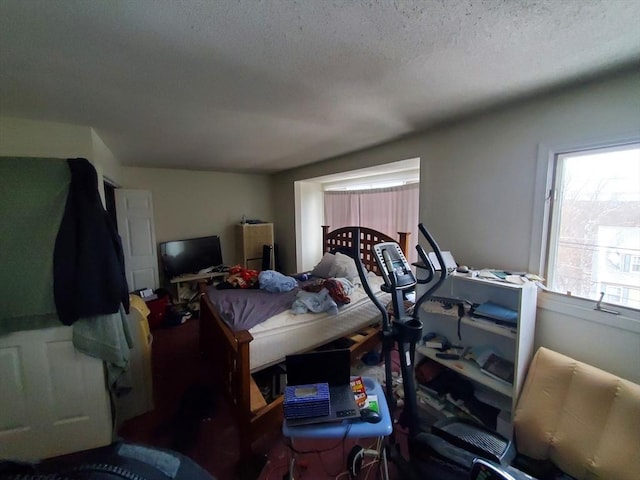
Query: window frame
[
  {"x": 609, "y": 292},
  {"x": 544, "y": 200}
]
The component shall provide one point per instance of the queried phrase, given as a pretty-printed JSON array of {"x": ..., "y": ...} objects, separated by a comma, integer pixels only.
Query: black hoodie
[{"x": 88, "y": 261}]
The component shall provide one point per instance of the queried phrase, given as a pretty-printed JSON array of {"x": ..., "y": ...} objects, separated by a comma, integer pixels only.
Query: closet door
[
  {"x": 134, "y": 210},
  {"x": 53, "y": 398}
]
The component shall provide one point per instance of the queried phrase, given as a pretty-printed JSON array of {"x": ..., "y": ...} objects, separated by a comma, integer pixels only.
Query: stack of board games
[{"x": 302, "y": 401}]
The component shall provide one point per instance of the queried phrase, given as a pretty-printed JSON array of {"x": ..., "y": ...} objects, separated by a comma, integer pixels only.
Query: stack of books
[{"x": 302, "y": 401}]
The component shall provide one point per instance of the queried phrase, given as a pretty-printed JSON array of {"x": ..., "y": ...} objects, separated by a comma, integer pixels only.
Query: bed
[{"x": 233, "y": 355}]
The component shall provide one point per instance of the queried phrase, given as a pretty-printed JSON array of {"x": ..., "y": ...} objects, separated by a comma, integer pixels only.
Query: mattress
[{"x": 287, "y": 333}]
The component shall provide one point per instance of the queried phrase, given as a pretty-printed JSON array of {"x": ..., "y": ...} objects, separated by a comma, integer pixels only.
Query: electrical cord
[
  {"x": 378, "y": 445},
  {"x": 319, "y": 452},
  {"x": 303, "y": 452}
]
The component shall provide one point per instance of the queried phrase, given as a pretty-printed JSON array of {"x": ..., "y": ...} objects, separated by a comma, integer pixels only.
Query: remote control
[{"x": 448, "y": 356}]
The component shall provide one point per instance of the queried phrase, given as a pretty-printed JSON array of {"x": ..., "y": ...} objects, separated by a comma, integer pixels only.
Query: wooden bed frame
[{"x": 228, "y": 356}]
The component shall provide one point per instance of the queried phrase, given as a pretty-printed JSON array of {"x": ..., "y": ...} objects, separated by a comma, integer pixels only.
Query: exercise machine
[{"x": 452, "y": 449}]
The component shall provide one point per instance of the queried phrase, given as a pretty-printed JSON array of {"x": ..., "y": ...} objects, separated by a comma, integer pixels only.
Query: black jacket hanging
[{"x": 88, "y": 261}]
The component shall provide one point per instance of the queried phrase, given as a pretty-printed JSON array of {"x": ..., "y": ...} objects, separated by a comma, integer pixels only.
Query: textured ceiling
[{"x": 268, "y": 85}]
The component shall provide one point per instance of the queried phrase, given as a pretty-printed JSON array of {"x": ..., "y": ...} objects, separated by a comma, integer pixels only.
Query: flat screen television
[{"x": 190, "y": 255}]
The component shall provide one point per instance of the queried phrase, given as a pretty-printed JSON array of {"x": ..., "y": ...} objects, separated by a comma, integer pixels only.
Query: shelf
[
  {"x": 514, "y": 343},
  {"x": 192, "y": 277},
  {"x": 487, "y": 281},
  {"x": 491, "y": 327},
  {"x": 470, "y": 370},
  {"x": 487, "y": 326}
]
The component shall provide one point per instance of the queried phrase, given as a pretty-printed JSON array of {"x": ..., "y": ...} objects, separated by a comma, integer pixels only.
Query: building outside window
[{"x": 594, "y": 234}]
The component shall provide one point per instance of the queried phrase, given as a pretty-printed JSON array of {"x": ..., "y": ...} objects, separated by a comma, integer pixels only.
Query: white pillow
[
  {"x": 325, "y": 265},
  {"x": 344, "y": 267}
]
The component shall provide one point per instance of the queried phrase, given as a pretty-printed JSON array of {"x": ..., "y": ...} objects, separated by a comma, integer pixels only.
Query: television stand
[
  {"x": 194, "y": 277},
  {"x": 184, "y": 290}
]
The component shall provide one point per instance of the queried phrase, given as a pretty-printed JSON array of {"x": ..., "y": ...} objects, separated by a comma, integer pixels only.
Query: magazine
[{"x": 498, "y": 368}]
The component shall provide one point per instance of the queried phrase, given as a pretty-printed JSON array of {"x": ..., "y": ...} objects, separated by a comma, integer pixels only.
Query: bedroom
[
  {"x": 506, "y": 143},
  {"x": 472, "y": 165}
]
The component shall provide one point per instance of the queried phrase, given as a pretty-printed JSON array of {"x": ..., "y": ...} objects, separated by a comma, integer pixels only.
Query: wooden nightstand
[{"x": 251, "y": 239}]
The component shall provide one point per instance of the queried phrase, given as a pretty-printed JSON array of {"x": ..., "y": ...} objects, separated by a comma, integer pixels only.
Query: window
[
  {"x": 613, "y": 294},
  {"x": 388, "y": 210},
  {"x": 594, "y": 235}
]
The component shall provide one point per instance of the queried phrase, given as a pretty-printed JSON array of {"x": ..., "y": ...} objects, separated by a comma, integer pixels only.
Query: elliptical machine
[
  {"x": 405, "y": 330},
  {"x": 440, "y": 455}
]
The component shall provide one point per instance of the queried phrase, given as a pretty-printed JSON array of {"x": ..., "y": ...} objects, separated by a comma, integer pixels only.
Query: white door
[
  {"x": 53, "y": 398},
  {"x": 134, "y": 211}
]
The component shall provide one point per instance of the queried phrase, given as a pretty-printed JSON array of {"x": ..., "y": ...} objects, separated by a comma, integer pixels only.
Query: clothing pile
[
  {"x": 240, "y": 277},
  {"x": 323, "y": 296},
  {"x": 274, "y": 282},
  {"x": 339, "y": 289}
]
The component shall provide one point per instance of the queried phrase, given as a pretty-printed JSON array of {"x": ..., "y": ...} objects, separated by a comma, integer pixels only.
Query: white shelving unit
[{"x": 515, "y": 344}]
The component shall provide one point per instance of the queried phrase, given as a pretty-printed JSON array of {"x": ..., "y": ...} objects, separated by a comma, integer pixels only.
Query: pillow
[
  {"x": 323, "y": 268},
  {"x": 343, "y": 267}
]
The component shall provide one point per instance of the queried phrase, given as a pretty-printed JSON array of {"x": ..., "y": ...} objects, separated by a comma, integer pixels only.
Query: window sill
[{"x": 628, "y": 319}]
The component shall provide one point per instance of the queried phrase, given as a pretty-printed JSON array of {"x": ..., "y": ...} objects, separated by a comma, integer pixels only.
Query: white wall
[
  {"x": 573, "y": 327},
  {"x": 31, "y": 138},
  {"x": 21, "y": 137},
  {"x": 102, "y": 155},
  {"x": 309, "y": 218},
  {"x": 189, "y": 203},
  {"x": 478, "y": 192},
  {"x": 478, "y": 185}
]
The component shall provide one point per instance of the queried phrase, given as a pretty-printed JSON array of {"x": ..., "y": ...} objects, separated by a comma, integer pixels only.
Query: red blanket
[{"x": 336, "y": 290}]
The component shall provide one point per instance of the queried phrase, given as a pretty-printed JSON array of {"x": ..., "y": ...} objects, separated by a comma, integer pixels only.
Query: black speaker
[
  {"x": 270, "y": 258},
  {"x": 276, "y": 258},
  {"x": 266, "y": 257}
]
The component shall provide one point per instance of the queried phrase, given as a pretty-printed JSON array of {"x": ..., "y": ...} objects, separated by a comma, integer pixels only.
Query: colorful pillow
[{"x": 323, "y": 268}]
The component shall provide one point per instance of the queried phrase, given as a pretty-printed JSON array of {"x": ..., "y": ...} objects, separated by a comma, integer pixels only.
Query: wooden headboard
[{"x": 342, "y": 238}]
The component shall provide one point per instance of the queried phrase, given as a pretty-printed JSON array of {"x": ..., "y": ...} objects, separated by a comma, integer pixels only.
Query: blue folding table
[{"x": 349, "y": 429}]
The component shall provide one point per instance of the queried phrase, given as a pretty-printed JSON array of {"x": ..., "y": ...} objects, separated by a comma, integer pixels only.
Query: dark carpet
[{"x": 191, "y": 417}]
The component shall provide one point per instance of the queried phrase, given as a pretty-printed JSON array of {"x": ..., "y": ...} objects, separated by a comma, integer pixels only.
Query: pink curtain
[{"x": 388, "y": 210}]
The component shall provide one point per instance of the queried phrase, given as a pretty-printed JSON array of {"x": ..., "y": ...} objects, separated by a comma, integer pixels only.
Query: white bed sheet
[{"x": 287, "y": 333}]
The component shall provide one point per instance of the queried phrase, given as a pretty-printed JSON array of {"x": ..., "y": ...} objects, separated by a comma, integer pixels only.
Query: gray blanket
[{"x": 243, "y": 309}]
